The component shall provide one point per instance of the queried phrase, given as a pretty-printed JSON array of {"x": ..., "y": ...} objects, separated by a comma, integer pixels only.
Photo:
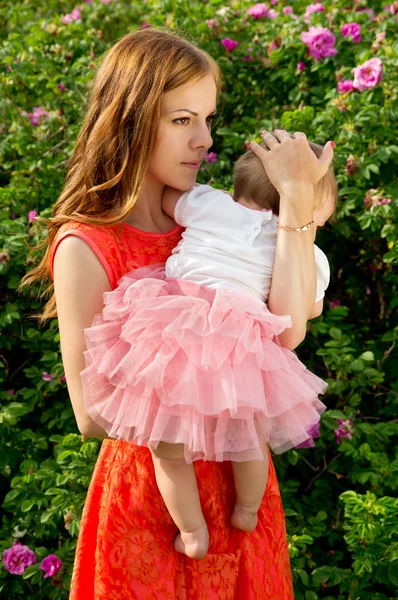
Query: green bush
[{"x": 339, "y": 494}]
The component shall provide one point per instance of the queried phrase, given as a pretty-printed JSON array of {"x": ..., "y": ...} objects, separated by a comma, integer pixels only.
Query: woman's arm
[
  {"x": 293, "y": 287},
  {"x": 79, "y": 284}
]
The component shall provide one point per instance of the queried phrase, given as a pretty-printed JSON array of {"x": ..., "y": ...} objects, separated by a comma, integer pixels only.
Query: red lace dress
[{"x": 125, "y": 547}]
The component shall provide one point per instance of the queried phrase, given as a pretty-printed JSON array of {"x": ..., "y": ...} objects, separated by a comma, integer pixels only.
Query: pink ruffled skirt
[{"x": 170, "y": 360}]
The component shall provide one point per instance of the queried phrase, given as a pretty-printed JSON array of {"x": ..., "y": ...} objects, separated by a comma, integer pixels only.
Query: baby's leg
[
  {"x": 177, "y": 484},
  {"x": 250, "y": 482}
]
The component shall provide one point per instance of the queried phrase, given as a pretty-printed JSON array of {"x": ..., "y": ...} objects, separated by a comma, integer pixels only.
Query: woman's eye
[{"x": 209, "y": 119}]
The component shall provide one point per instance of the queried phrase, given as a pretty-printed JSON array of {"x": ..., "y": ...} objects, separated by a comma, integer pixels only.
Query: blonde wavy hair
[{"x": 107, "y": 166}]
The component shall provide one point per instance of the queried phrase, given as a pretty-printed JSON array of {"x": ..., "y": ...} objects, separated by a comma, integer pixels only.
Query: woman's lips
[{"x": 192, "y": 165}]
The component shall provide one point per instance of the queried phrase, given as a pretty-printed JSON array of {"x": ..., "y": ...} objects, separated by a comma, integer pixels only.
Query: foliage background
[{"x": 340, "y": 498}]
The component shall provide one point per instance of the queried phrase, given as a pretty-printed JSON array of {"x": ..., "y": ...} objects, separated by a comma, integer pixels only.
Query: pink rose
[
  {"x": 50, "y": 565},
  {"x": 345, "y": 429},
  {"x": 300, "y": 66},
  {"x": 320, "y": 42},
  {"x": 272, "y": 14},
  {"x": 345, "y": 86},
  {"x": 229, "y": 44},
  {"x": 47, "y": 376},
  {"x": 334, "y": 303},
  {"x": 75, "y": 15},
  {"x": 18, "y": 558},
  {"x": 287, "y": 10},
  {"x": 258, "y": 10},
  {"x": 31, "y": 215},
  {"x": 313, "y": 8},
  {"x": 314, "y": 432},
  {"x": 37, "y": 116},
  {"x": 211, "y": 157},
  {"x": 352, "y": 30},
  {"x": 368, "y": 75}
]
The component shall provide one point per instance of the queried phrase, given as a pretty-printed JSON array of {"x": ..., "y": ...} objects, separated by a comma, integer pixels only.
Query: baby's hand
[{"x": 289, "y": 161}]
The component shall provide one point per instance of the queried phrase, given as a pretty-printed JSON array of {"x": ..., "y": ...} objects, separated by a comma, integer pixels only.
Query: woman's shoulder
[{"x": 103, "y": 240}]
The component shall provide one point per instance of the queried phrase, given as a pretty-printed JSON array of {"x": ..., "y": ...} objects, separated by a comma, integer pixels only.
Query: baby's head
[{"x": 251, "y": 183}]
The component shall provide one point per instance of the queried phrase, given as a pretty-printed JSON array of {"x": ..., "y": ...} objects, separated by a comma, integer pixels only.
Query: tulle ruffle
[{"x": 169, "y": 360}]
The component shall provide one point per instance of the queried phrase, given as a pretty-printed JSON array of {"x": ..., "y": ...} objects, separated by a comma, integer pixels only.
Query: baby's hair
[{"x": 251, "y": 182}]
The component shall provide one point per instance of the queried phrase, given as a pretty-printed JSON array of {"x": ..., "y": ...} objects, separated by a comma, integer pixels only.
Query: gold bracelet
[{"x": 298, "y": 229}]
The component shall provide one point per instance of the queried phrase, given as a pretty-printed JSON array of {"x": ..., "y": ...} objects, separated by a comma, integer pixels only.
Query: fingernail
[
  {"x": 263, "y": 131},
  {"x": 332, "y": 144}
]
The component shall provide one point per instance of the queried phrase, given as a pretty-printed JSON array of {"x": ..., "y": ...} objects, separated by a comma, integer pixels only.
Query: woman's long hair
[{"x": 107, "y": 167}]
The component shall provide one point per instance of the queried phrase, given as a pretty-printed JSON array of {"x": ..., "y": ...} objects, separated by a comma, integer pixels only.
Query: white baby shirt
[{"x": 226, "y": 244}]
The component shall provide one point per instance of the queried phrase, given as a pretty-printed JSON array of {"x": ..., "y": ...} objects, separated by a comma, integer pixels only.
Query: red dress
[{"x": 125, "y": 546}]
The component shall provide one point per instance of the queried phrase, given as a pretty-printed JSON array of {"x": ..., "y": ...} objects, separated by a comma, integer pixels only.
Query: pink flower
[
  {"x": 37, "y": 116},
  {"x": 287, "y": 10},
  {"x": 61, "y": 87},
  {"x": 368, "y": 75},
  {"x": 320, "y": 42},
  {"x": 47, "y": 376},
  {"x": 273, "y": 2},
  {"x": 211, "y": 157},
  {"x": 18, "y": 558},
  {"x": 73, "y": 16},
  {"x": 212, "y": 23},
  {"x": 31, "y": 215},
  {"x": 314, "y": 432},
  {"x": 11, "y": 392},
  {"x": 50, "y": 565},
  {"x": 300, "y": 66},
  {"x": 229, "y": 44},
  {"x": 334, "y": 303},
  {"x": 248, "y": 58},
  {"x": 382, "y": 201},
  {"x": 352, "y": 30},
  {"x": 272, "y": 14},
  {"x": 313, "y": 8},
  {"x": 345, "y": 86},
  {"x": 345, "y": 429},
  {"x": 63, "y": 377},
  {"x": 258, "y": 10},
  {"x": 351, "y": 165}
]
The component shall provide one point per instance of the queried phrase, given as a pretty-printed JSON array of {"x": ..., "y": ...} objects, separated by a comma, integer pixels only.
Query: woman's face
[{"x": 184, "y": 134}]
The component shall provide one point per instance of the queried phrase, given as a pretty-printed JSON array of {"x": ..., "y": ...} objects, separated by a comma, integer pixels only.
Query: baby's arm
[
  {"x": 170, "y": 198},
  {"x": 316, "y": 309}
]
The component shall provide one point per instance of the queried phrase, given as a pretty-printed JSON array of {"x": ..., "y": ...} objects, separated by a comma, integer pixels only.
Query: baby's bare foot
[
  {"x": 244, "y": 518},
  {"x": 193, "y": 543}
]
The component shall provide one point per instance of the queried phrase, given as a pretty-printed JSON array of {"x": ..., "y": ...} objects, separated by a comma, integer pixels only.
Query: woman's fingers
[
  {"x": 282, "y": 134},
  {"x": 269, "y": 139}
]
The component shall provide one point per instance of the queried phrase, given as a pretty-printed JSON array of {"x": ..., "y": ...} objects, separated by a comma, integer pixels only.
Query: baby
[{"x": 185, "y": 358}]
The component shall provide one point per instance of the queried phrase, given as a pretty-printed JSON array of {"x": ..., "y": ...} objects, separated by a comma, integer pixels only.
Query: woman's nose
[{"x": 203, "y": 138}]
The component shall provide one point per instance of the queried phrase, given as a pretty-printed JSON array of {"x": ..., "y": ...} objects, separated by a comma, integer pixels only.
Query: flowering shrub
[{"x": 327, "y": 69}]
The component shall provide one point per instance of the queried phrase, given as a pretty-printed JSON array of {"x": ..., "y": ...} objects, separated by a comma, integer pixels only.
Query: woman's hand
[{"x": 289, "y": 161}]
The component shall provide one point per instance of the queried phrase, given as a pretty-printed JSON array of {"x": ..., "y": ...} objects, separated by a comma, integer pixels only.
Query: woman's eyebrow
[{"x": 191, "y": 111}]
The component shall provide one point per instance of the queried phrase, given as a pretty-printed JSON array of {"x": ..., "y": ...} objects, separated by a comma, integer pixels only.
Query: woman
[{"x": 148, "y": 125}]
